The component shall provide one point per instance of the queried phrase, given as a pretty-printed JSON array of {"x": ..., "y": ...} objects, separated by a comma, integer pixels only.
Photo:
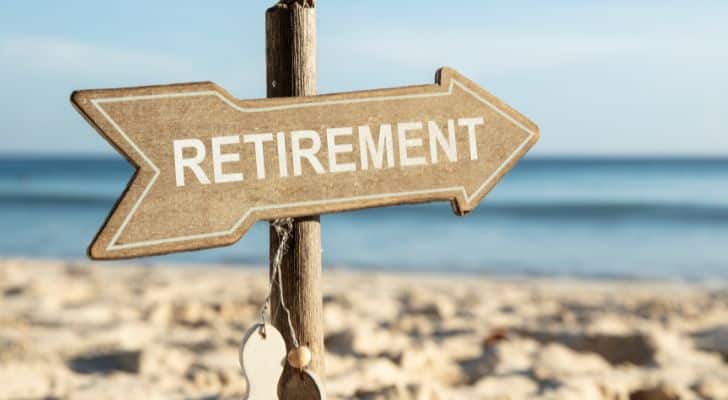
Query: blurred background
[{"x": 630, "y": 177}]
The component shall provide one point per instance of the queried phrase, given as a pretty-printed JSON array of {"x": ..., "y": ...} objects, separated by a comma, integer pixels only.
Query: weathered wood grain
[
  {"x": 168, "y": 207},
  {"x": 291, "y": 71}
]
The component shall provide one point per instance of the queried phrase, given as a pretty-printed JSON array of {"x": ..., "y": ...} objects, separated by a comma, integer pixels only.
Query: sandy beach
[{"x": 84, "y": 331}]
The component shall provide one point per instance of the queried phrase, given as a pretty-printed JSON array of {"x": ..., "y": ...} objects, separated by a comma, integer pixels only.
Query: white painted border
[{"x": 113, "y": 246}]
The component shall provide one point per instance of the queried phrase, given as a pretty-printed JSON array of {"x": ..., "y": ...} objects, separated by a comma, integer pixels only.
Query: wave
[
  {"x": 565, "y": 211},
  {"x": 616, "y": 210},
  {"x": 55, "y": 199},
  {"x": 575, "y": 211}
]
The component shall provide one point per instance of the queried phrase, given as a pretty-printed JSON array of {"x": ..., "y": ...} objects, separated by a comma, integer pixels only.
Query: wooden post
[{"x": 291, "y": 71}]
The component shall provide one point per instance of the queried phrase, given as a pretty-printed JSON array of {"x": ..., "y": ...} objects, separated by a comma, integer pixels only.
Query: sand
[{"x": 84, "y": 331}]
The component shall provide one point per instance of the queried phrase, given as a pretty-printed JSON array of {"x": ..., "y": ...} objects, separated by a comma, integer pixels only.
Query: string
[{"x": 283, "y": 228}]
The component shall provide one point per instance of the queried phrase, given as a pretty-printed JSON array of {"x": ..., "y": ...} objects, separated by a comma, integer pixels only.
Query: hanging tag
[
  {"x": 303, "y": 385},
  {"x": 262, "y": 358}
]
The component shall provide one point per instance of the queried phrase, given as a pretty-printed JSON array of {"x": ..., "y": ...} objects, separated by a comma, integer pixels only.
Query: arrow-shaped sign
[{"x": 209, "y": 165}]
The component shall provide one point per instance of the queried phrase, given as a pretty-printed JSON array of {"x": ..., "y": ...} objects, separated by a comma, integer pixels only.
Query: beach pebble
[
  {"x": 425, "y": 304},
  {"x": 555, "y": 361},
  {"x": 636, "y": 348},
  {"x": 660, "y": 392},
  {"x": 36, "y": 379},
  {"x": 193, "y": 313},
  {"x": 205, "y": 378},
  {"x": 431, "y": 362},
  {"x": 166, "y": 360},
  {"x": 161, "y": 315},
  {"x": 711, "y": 388},
  {"x": 509, "y": 386}
]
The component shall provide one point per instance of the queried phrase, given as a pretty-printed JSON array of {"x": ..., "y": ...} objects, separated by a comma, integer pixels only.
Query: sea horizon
[{"x": 662, "y": 217}]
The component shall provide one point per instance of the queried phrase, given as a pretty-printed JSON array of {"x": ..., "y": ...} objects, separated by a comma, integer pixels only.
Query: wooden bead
[{"x": 299, "y": 358}]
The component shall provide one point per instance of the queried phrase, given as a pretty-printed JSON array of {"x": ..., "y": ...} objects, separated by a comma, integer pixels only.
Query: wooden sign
[{"x": 209, "y": 165}]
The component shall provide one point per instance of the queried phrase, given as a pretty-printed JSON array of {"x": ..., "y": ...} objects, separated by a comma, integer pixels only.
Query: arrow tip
[{"x": 526, "y": 134}]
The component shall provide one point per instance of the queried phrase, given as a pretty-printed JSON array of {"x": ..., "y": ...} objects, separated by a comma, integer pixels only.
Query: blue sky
[{"x": 600, "y": 78}]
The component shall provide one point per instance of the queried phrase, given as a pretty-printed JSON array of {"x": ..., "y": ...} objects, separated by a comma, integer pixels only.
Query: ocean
[{"x": 587, "y": 217}]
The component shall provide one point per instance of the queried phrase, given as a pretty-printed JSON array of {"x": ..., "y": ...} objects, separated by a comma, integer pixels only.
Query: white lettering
[
  {"x": 449, "y": 146},
  {"x": 180, "y": 163},
  {"x": 297, "y": 153},
  {"x": 384, "y": 146},
  {"x": 218, "y": 159},
  {"x": 471, "y": 123},
  {"x": 258, "y": 139},
  {"x": 335, "y": 149},
  {"x": 374, "y": 152},
  {"x": 282, "y": 157},
  {"x": 406, "y": 143}
]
